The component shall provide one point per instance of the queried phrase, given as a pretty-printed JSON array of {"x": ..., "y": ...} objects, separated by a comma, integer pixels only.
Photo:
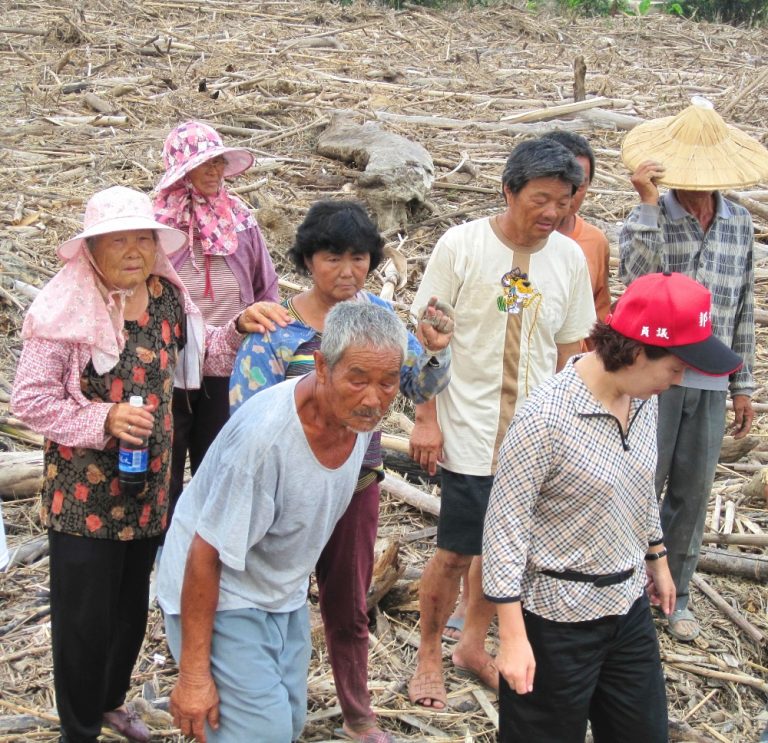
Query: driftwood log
[
  {"x": 736, "y": 617},
  {"x": 387, "y": 570},
  {"x": 721, "y": 562},
  {"x": 745, "y": 540},
  {"x": 732, "y": 450},
  {"x": 410, "y": 495},
  {"x": 396, "y": 171},
  {"x": 21, "y": 474}
]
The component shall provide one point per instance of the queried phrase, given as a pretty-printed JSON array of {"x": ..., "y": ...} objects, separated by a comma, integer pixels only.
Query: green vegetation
[
  {"x": 398, "y": 4},
  {"x": 736, "y": 12}
]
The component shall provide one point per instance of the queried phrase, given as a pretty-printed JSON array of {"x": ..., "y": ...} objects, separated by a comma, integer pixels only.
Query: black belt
[{"x": 610, "y": 579}]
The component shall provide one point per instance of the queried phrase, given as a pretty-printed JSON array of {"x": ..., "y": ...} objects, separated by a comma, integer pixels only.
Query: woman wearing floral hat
[
  {"x": 224, "y": 265},
  {"x": 108, "y": 326}
]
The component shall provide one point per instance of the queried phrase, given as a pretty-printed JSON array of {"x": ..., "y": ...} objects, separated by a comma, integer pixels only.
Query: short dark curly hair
[
  {"x": 338, "y": 227},
  {"x": 616, "y": 351}
]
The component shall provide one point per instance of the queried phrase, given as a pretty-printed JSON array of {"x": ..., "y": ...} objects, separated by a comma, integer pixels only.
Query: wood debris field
[{"x": 90, "y": 89}]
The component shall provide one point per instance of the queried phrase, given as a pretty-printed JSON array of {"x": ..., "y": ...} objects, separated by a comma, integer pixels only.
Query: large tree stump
[{"x": 396, "y": 172}]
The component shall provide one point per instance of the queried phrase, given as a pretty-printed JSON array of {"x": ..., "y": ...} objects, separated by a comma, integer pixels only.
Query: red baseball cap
[{"x": 673, "y": 311}]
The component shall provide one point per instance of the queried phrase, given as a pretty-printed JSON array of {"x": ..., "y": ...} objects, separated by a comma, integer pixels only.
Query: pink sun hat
[
  {"x": 191, "y": 144},
  {"x": 116, "y": 209}
]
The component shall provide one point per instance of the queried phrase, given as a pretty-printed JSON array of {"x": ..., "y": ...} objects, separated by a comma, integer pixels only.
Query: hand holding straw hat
[{"x": 697, "y": 149}]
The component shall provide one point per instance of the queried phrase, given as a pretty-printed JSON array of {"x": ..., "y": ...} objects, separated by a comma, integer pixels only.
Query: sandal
[
  {"x": 676, "y": 630},
  {"x": 454, "y": 623},
  {"x": 487, "y": 676},
  {"x": 428, "y": 685}
]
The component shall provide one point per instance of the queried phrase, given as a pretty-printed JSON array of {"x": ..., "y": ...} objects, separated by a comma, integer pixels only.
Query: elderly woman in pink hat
[
  {"x": 224, "y": 265},
  {"x": 109, "y": 326}
]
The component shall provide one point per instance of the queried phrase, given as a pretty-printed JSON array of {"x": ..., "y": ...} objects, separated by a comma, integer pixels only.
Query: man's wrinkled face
[
  {"x": 538, "y": 208},
  {"x": 362, "y": 385}
]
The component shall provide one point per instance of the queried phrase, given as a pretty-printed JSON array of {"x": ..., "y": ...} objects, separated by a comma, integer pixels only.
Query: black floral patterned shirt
[{"x": 81, "y": 491}]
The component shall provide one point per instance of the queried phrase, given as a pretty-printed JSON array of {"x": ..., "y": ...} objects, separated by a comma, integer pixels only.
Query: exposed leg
[
  {"x": 455, "y": 624},
  {"x": 437, "y": 597},
  {"x": 470, "y": 653}
]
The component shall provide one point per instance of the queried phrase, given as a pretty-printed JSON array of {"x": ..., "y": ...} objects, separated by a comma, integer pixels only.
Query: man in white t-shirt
[
  {"x": 523, "y": 304},
  {"x": 250, "y": 527}
]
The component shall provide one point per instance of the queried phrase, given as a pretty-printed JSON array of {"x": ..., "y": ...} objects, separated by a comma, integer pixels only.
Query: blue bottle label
[{"x": 132, "y": 461}]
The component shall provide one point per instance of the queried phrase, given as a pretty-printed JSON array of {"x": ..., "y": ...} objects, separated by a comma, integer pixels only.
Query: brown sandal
[{"x": 427, "y": 685}]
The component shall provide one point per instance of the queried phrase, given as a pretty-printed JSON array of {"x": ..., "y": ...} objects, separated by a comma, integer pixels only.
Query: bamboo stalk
[
  {"x": 736, "y": 678},
  {"x": 740, "y": 621}
]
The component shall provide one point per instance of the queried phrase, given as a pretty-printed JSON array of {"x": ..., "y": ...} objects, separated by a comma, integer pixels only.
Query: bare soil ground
[{"x": 89, "y": 91}]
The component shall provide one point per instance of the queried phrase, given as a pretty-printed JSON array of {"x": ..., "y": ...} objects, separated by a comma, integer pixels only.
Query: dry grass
[{"x": 269, "y": 75}]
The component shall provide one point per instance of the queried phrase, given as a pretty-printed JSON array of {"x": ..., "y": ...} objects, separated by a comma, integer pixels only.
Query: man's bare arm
[{"x": 194, "y": 699}]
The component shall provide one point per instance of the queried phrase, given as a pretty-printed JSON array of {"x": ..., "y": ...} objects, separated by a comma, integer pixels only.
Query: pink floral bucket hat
[
  {"x": 116, "y": 209},
  {"x": 191, "y": 144}
]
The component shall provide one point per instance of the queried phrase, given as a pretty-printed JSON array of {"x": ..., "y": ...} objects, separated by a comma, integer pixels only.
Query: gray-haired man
[{"x": 249, "y": 528}]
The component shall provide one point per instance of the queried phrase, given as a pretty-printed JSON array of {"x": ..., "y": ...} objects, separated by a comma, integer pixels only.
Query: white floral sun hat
[{"x": 116, "y": 209}]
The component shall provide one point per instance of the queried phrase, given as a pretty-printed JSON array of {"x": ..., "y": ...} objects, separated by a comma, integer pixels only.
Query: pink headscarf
[
  {"x": 217, "y": 218},
  {"x": 179, "y": 204},
  {"x": 75, "y": 306}
]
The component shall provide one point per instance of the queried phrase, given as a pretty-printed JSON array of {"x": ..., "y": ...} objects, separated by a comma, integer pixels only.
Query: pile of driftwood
[{"x": 413, "y": 111}]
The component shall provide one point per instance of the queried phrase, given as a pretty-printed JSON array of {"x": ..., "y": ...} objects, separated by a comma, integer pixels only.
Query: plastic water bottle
[{"x": 133, "y": 461}]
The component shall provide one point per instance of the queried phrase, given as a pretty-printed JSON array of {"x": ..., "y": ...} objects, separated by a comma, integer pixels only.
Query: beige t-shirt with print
[{"x": 498, "y": 357}]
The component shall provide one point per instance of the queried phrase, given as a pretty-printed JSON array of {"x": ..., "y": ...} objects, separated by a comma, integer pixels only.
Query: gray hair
[
  {"x": 356, "y": 323},
  {"x": 540, "y": 158}
]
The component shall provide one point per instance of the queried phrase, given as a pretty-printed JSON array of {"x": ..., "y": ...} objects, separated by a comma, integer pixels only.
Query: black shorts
[{"x": 463, "y": 503}]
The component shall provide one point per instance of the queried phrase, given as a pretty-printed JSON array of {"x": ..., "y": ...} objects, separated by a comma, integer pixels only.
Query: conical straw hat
[{"x": 698, "y": 150}]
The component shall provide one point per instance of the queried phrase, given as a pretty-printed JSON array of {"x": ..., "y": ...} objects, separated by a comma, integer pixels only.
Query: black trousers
[
  {"x": 607, "y": 671},
  {"x": 198, "y": 416},
  {"x": 99, "y": 603}
]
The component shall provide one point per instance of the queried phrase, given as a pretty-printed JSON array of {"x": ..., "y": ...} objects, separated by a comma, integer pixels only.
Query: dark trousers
[
  {"x": 99, "y": 603},
  {"x": 690, "y": 433},
  {"x": 198, "y": 416},
  {"x": 607, "y": 671},
  {"x": 343, "y": 575}
]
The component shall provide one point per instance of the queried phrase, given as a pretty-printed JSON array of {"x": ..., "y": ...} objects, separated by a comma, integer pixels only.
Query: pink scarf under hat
[
  {"x": 217, "y": 218},
  {"x": 76, "y": 307}
]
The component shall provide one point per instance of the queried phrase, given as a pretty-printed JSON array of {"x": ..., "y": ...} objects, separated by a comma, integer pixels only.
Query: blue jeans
[{"x": 259, "y": 662}]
